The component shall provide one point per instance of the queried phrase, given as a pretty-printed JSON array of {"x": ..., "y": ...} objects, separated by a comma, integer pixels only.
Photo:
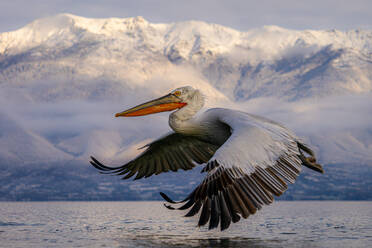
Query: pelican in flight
[{"x": 247, "y": 159}]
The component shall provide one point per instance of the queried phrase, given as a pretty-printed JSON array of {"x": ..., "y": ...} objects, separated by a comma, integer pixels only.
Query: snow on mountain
[
  {"x": 64, "y": 77},
  {"x": 270, "y": 61}
]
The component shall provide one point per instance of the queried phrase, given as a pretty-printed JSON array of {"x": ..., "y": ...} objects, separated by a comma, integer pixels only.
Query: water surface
[{"x": 145, "y": 224}]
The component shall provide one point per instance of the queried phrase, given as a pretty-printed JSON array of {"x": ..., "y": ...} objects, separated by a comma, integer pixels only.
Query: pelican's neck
[{"x": 181, "y": 121}]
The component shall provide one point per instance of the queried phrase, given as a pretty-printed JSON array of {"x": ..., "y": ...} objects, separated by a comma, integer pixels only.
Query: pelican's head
[{"x": 177, "y": 99}]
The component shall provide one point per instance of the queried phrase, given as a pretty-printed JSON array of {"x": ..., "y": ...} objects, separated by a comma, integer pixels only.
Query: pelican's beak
[{"x": 165, "y": 103}]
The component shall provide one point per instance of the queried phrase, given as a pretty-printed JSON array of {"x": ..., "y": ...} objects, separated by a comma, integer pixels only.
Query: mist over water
[{"x": 149, "y": 224}]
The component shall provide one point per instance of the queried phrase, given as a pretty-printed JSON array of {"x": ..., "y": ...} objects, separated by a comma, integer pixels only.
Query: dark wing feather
[
  {"x": 226, "y": 194},
  {"x": 172, "y": 152},
  {"x": 255, "y": 163}
]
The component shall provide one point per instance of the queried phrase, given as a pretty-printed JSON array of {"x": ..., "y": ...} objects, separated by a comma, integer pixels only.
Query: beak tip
[{"x": 117, "y": 115}]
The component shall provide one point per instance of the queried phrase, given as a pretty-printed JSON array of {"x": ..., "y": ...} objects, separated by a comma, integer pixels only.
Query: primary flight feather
[{"x": 248, "y": 159}]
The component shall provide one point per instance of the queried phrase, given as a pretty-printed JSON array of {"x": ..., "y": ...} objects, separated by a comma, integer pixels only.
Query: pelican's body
[{"x": 248, "y": 159}]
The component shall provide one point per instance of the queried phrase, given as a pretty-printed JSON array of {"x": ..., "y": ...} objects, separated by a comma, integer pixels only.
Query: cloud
[
  {"x": 317, "y": 114},
  {"x": 78, "y": 117},
  {"x": 80, "y": 120},
  {"x": 339, "y": 128}
]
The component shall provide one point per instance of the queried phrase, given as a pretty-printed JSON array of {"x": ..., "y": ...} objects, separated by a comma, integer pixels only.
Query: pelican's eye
[{"x": 177, "y": 93}]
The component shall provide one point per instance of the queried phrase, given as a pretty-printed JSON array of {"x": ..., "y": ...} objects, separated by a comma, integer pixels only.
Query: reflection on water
[
  {"x": 222, "y": 242},
  {"x": 144, "y": 224}
]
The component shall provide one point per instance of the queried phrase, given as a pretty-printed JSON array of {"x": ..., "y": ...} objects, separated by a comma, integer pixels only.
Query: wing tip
[
  {"x": 169, "y": 206},
  {"x": 166, "y": 198},
  {"x": 309, "y": 162}
]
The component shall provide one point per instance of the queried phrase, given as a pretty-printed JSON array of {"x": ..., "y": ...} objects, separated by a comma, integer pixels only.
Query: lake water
[{"x": 149, "y": 224}]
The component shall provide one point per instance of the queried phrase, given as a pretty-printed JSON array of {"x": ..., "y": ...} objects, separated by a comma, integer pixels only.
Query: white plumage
[
  {"x": 254, "y": 141},
  {"x": 248, "y": 158}
]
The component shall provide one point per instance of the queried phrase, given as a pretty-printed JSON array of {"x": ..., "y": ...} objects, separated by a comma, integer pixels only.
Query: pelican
[{"x": 247, "y": 159}]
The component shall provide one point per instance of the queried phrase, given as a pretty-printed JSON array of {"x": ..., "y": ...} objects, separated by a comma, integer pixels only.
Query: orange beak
[{"x": 166, "y": 103}]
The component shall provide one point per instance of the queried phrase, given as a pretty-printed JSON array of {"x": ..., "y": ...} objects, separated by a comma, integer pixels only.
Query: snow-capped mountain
[
  {"x": 62, "y": 78},
  {"x": 270, "y": 61}
]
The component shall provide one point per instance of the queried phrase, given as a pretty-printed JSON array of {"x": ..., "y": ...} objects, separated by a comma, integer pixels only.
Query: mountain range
[{"x": 63, "y": 77}]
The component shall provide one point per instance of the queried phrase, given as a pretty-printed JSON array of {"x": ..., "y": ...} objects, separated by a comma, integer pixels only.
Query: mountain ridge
[
  {"x": 229, "y": 60},
  {"x": 62, "y": 79}
]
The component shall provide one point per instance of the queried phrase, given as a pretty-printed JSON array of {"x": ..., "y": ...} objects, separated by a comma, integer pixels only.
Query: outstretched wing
[
  {"x": 257, "y": 162},
  {"x": 172, "y": 152}
]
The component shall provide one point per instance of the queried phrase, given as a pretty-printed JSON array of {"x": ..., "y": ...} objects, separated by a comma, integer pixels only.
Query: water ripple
[{"x": 149, "y": 224}]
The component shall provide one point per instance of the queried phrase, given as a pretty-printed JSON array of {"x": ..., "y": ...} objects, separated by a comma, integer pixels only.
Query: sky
[{"x": 238, "y": 14}]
